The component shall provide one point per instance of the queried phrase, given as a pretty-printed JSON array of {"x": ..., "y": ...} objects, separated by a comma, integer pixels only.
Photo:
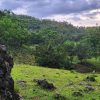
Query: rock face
[
  {"x": 45, "y": 85},
  {"x": 6, "y": 82}
]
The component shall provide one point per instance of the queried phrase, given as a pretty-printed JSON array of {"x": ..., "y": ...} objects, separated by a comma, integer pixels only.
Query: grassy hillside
[{"x": 66, "y": 82}]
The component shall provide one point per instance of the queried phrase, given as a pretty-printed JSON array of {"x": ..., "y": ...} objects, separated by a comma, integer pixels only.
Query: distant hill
[{"x": 35, "y": 25}]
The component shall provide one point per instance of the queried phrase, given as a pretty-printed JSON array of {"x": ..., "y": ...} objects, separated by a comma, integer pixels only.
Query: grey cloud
[
  {"x": 44, "y": 8},
  {"x": 75, "y": 18},
  {"x": 11, "y": 4}
]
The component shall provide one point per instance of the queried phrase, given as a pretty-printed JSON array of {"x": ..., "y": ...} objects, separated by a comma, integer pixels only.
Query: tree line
[{"x": 57, "y": 44}]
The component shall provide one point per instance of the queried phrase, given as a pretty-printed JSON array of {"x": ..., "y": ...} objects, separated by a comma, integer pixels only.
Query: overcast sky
[{"x": 77, "y": 12}]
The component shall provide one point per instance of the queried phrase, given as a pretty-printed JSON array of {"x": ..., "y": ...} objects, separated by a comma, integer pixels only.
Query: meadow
[{"x": 66, "y": 83}]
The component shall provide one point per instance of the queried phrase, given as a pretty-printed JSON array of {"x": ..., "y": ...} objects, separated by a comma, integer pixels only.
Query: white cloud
[
  {"x": 21, "y": 11},
  {"x": 79, "y": 19}
]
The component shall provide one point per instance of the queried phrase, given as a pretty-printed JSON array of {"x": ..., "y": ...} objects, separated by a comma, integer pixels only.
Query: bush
[{"x": 51, "y": 56}]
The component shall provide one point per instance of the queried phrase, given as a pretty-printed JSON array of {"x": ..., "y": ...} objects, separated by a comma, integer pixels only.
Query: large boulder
[
  {"x": 45, "y": 84},
  {"x": 7, "y": 91}
]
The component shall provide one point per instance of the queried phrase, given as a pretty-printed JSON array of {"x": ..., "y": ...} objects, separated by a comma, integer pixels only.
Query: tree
[
  {"x": 52, "y": 53},
  {"x": 70, "y": 49},
  {"x": 11, "y": 33},
  {"x": 82, "y": 51},
  {"x": 94, "y": 41}
]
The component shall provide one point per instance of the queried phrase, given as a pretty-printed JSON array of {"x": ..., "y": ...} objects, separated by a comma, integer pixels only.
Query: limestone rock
[{"x": 7, "y": 91}]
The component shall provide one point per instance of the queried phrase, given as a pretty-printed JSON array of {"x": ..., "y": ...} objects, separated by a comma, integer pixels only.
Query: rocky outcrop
[
  {"x": 45, "y": 84},
  {"x": 7, "y": 91}
]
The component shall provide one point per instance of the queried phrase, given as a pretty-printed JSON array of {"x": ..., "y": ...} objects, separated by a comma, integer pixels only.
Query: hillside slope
[{"x": 66, "y": 83}]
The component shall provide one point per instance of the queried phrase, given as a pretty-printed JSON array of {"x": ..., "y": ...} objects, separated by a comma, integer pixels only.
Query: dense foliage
[
  {"x": 55, "y": 44},
  {"x": 52, "y": 52}
]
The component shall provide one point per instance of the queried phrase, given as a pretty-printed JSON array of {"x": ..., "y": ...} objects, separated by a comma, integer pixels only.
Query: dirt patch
[{"x": 83, "y": 68}]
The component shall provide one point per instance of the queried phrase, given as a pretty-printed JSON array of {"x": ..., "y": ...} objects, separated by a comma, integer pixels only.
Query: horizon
[{"x": 77, "y": 12}]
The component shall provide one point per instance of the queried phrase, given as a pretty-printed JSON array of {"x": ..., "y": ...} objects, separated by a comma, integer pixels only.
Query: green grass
[
  {"x": 95, "y": 62},
  {"x": 60, "y": 78}
]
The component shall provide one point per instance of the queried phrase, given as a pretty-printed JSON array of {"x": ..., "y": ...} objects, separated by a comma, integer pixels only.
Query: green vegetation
[
  {"x": 55, "y": 45},
  {"x": 65, "y": 81}
]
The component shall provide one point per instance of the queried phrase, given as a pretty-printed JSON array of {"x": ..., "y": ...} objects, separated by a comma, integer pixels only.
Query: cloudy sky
[{"x": 77, "y": 12}]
